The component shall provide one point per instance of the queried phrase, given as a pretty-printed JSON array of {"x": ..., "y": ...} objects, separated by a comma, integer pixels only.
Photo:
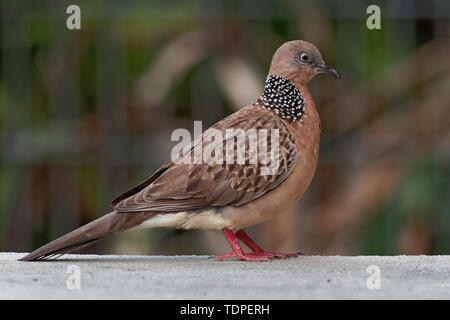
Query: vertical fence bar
[
  {"x": 16, "y": 130},
  {"x": 64, "y": 93}
]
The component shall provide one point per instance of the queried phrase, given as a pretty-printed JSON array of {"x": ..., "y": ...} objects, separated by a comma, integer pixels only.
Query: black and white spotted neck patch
[{"x": 283, "y": 98}]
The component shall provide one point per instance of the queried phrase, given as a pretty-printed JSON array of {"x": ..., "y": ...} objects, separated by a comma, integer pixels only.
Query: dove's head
[{"x": 299, "y": 61}]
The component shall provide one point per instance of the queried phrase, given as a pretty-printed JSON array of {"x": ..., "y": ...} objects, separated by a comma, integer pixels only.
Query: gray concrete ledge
[{"x": 200, "y": 277}]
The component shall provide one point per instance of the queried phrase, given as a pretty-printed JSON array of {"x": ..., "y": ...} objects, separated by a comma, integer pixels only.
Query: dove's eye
[{"x": 304, "y": 57}]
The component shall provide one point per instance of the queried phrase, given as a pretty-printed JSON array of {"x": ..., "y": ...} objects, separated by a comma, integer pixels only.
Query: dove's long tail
[{"x": 88, "y": 234}]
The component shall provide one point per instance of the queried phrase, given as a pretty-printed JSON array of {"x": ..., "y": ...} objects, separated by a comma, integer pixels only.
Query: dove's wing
[{"x": 182, "y": 187}]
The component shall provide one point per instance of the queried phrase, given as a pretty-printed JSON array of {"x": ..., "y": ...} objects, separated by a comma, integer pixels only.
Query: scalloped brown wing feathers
[{"x": 183, "y": 187}]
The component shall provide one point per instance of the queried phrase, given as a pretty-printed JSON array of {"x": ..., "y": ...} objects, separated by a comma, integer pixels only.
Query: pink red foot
[
  {"x": 275, "y": 255},
  {"x": 258, "y": 256},
  {"x": 245, "y": 257}
]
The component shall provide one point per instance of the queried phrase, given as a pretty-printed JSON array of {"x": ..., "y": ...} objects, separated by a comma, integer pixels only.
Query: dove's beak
[{"x": 323, "y": 67}]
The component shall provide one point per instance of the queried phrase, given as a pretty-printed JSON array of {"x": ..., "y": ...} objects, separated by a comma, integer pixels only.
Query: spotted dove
[{"x": 228, "y": 196}]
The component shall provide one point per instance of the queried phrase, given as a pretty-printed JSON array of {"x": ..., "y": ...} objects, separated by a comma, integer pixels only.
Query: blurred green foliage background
[{"x": 86, "y": 114}]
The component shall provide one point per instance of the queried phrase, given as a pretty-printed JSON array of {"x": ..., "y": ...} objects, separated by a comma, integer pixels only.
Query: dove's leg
[
  {"x": 237, "y": 250},
  {"x": 258, "y": 251}
]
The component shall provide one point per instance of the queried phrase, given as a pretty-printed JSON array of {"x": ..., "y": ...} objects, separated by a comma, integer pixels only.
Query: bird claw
[
  {"x": 258, "y": 256},
  {"x": 258, "y": 253},
  {"x": 275, "y": 255},
  {"x": 245, "y": 257}
]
